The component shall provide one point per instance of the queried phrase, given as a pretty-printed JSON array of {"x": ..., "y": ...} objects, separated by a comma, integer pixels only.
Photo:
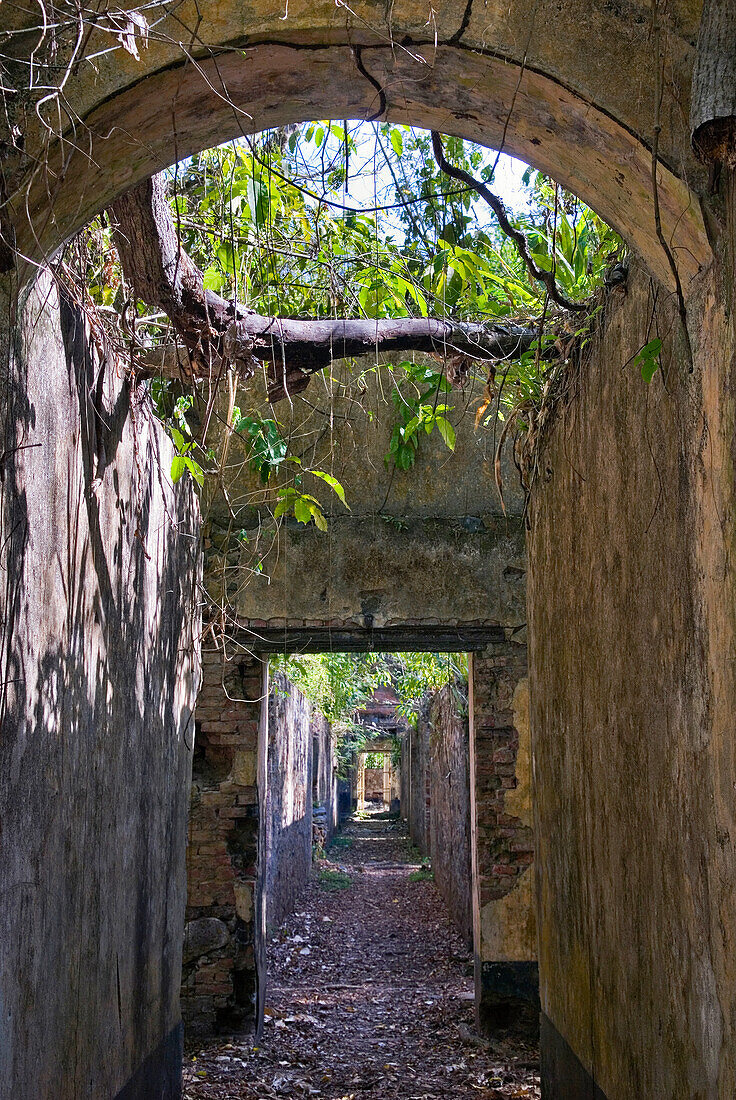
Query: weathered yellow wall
[
  {"x": 508, "y": 924},
  {"x": 389, "y": 553},
  {"x": 632, "y": 627}
]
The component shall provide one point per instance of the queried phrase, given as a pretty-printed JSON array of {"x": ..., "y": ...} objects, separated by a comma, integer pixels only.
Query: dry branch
[{"x": 212, "y": 328}]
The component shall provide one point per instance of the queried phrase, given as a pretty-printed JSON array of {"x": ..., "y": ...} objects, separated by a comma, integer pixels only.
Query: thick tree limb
[
  {"x": 547, "y": 278},
  {"x": 214, "y": 329},
  {"x": 713, "y": 95}
]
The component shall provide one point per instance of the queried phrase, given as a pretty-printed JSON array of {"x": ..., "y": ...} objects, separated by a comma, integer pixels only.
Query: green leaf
[
  {"x": 226, "y": 256},
  {"x": 178, "y": 466},
  {"x": 178, "y": 438},
  {"x": 397, "y": 141},
  {"x": 647, "y": 359},
  {"x": 319, "y": 518},
  {"x": 652, "y": 349},
  {"x": 649, "y": 368},
  {"x": 333, "y": 483},
  {"x": 195, "y": 470},
  {"x": 213, "y": 279},
  {"x": 447, "y": 431},
  {"x": 302, "y": 510}
]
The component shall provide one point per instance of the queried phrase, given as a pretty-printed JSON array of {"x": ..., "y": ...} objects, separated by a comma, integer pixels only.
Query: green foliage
[
  {"x": 340, "y": 684},
  {"x": 267, "y": 447},
  {"x": 270, "y": 222},
  {"x": 425, "y": 875},
  {"x": 337, "y": 683},
  {"x": 334, "y": 880},
  {"x": 418, "y": 413},
  {"x": 341, "y": 843},
  {"x": 265, "y": 221},
  {"x": 374, "y": 760},
  {"x": 647, "y": 358},
  {"x": 186, "y": 446}
]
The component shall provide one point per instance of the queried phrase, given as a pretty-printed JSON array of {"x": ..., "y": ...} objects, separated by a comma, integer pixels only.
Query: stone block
[{"x": 203, "y": 936}]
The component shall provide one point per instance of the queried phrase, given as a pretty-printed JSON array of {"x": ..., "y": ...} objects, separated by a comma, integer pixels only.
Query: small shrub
[
  {"x": 425, "y": 875},
  {"x": 341, "y": 842},
  {"x": 334, "y": 880}
]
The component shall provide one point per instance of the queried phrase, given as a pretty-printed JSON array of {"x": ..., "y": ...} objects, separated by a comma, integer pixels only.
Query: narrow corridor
[{"x": 370, "y": 993}]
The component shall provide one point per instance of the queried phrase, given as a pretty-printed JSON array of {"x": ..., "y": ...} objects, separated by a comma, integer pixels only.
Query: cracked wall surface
[{"x": 98, "y": 675}]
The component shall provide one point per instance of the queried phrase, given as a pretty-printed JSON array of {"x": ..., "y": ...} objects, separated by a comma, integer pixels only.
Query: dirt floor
[{"x": 369, "y": 995}]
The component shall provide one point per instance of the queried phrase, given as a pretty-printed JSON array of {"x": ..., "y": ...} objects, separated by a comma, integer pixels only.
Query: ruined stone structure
[
  {"x": 467, "y": 777},
  {"x": 250, "y": 832},
  {"x": 224, "y": 935},
  {"x": 502, "y": 845},
  {"x": 632, "y": 624},
  {"x": 300, "y": 778},
  {"x": 449, "y": 813}
]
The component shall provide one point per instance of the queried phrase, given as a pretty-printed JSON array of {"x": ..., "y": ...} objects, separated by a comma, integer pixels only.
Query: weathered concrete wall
[
  {"x": 384, "y": 562},
  {"x": 223, "y": 980},
  {"x": 289, "y": 802},
  {"x": 450, "y": 803},
  {"x": 325, "y": 808},
  {"x": 632, "y": 637},
  {"x": 419, "y": 780},
  {"x": 99, "y": 673},
  {"x": 504, "y": 922}
]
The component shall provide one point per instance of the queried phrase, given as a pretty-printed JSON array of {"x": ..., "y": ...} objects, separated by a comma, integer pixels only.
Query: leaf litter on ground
[{"x": 381, "y": 1008}]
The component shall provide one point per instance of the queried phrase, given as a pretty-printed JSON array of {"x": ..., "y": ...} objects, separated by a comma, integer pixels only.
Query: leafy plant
[
  {"x": 267, "y": 447},
  {"x": 424, "y": 875},
  {"x": 418, "y": 412},
  {"x": 184, "y": 461},
  {"x": 647, "y": 359},
  {"x": 303, "y": 506},
  {"x": 334, "y": 880}
]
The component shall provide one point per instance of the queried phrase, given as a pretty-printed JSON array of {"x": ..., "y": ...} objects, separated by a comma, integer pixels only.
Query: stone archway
[{"x": 575, "y": 98}]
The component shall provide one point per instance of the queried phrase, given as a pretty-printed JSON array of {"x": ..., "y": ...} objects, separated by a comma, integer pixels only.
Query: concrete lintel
[{"x": 393, "y": 639}]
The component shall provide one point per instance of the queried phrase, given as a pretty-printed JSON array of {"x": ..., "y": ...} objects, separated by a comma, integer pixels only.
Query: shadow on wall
[{"x": 98, "y": 679}]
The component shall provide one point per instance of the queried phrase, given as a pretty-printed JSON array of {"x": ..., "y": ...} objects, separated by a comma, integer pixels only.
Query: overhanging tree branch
[
  {"x": 214, "y": 329},
  {"x": 547, "y": 278}
]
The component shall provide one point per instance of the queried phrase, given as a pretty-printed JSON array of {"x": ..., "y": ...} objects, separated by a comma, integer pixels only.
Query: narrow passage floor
[{"x": 369, "y": 995}]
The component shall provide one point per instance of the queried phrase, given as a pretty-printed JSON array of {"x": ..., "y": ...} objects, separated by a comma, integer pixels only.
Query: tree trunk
[
  {"x": 713, "y": 94},
  {"x": 214, "y": 329}
]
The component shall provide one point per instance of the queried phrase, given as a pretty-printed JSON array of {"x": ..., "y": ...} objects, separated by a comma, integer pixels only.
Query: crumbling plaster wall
[
  {"x": 632, "y": 637},
  {"x": 449, "y": 770},
  {"x": 502, "y": 846},
  {"x": 289, "y": 799},
  {"x": 223, "y": 980},
  {"x": 98, "y": 667},
  {"x": 384, "y": 562},
  {"x": 417, "y": 743}
]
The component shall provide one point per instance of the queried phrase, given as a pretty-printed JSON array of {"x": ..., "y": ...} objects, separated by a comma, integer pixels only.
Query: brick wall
[
  {"x": 223, "y": 968},
  {"x": 504, "y": 918}
]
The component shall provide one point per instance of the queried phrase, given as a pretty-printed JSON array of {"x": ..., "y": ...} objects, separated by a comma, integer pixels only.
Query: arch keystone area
[{"x": 246, "y": 88}]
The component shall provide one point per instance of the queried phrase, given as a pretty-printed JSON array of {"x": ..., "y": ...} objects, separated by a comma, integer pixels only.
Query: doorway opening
[{"x": 370, "y": 972}]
